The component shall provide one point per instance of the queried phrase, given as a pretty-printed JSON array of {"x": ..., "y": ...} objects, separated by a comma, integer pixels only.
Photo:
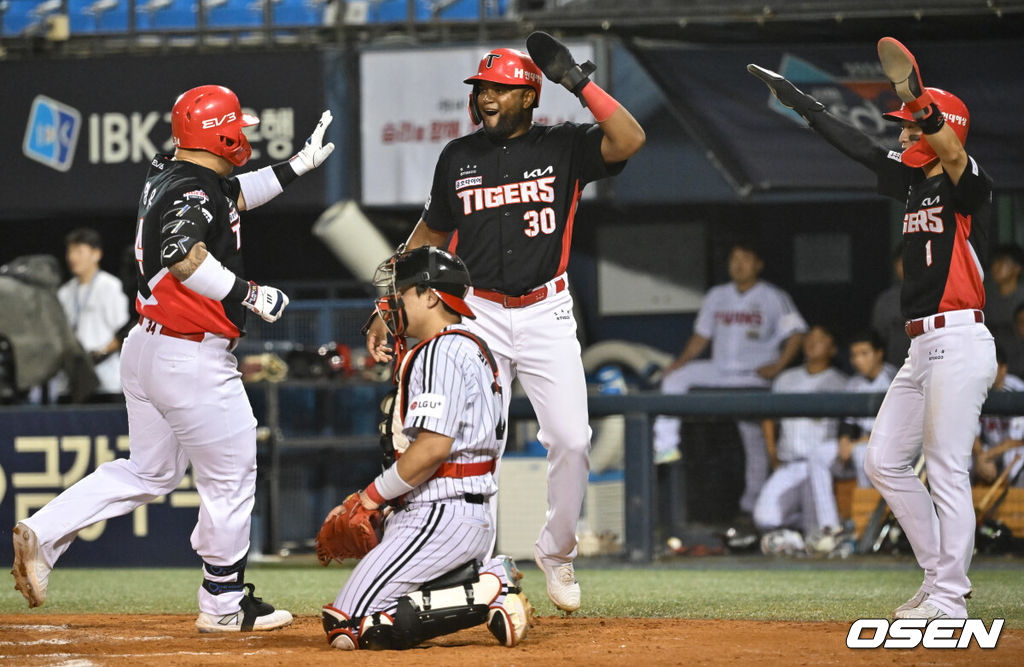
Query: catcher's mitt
[{"x": 349, "y": 531}]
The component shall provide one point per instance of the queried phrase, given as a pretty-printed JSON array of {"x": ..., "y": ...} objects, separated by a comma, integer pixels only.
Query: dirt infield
[{"x": 93, "y": 639}]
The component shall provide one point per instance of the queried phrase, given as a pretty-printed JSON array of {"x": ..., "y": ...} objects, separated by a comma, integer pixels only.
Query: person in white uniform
[
  {"x": 799, "y": 493},
  {"x": 96, "y": 307},
  {"x": 1000, "y": 437},
  {"x": 755, "y": 331},
  {"x": 873, "y": 376},
  {"x": 432, "y": 574},
  {"x": 183, "y": 390}
]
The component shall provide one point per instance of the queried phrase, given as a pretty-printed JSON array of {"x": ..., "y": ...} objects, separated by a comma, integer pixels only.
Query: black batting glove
[
  {"x": 553, "y": 58},
  {"x": 788, "y": 94}
]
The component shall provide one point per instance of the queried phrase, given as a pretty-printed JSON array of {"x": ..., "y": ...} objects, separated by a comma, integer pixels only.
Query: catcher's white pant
[
  {"x": 421, "y": 542},
  {"x": 538, "y": 345},
  {"x": 705, "y": 373},
  {"x": 934, "y": 402},
  {"x": 800, "y": 493},
  {"x": 185, "y": 403}
]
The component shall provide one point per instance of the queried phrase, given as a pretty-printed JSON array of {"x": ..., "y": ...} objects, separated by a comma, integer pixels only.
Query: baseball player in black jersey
[
  {"x": 505, "y": 197},
  {"x": 183, "y": 390},
  {"x": 936, "y": 397}
]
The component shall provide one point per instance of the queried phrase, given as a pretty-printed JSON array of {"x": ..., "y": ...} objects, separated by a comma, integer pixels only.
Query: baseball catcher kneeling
[{"x": 424, "y": 570}]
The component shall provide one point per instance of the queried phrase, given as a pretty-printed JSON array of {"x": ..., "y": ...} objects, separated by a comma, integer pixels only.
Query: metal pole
[{"x": 640, "y": 491}]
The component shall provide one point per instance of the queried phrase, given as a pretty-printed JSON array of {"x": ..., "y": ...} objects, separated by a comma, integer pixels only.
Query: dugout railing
[{"x": 639, "y": 409}]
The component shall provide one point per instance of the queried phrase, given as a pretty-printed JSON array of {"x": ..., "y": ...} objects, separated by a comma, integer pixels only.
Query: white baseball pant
[
  {"x": 705, "y": 373},
  {"x": 800, "y": 493},
  {"x": 538, "y": 345},
  {"x": 934, "y": 403},
  {"x": 186, "y": 403}
]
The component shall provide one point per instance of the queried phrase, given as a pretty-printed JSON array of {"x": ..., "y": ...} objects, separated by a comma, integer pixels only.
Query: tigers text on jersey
[
  {"x": 945, "y": 235},
  {"x": 746, "y": 328},
  {"x": 182, "y": 204},
  {"x": 799, "y": 435},
  {"x": 450, "y": 392},
  {"x": 512, "y": 204}
]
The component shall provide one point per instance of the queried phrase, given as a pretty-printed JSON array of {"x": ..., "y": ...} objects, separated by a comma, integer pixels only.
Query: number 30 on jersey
[{"x": 539, "y": 222}]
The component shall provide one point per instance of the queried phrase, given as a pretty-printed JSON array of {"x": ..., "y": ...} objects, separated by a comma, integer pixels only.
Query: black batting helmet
[{"x": 431, "y": 267}]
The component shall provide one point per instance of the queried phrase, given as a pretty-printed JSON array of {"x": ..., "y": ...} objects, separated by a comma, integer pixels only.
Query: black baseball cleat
[{"x": 253, "y": 615}]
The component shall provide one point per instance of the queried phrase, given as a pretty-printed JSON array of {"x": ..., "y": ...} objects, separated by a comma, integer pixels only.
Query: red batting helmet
[
  {"x": 507, "y": 66},
  {"x": 209, "y": 118},
  {"x": 953, "y": 110}
]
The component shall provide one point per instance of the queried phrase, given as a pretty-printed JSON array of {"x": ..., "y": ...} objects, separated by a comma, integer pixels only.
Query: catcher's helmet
[
  {"x": 437, "y": 269},
  {"x": 209, "y": 118},
  {"x": 507, "y": 66},
  {"x": 953, "y": 110}
]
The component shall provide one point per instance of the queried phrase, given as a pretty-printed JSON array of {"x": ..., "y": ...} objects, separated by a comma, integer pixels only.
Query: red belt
[
  {"x": 150, "y": 327},
  {"x": 465, "y": 469},
  {"x": 528, "y": 299},
  {"x": 916, "y": 327}
]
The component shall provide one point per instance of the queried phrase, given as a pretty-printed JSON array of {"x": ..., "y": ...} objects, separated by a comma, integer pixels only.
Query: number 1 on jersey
[{"x": 928, "y": 253}]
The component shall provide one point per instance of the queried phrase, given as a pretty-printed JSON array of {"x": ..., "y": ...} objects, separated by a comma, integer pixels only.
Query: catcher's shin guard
[
  {"x": 339, "y": 629},
  {"x": 455, "y": 601}
]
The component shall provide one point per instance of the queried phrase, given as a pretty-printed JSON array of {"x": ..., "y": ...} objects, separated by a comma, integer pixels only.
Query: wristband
[
  {"x": 600, "y": 103},
  {"x": 211, "y": 279},
  {"x": 389, "y": 485},
  {"x": 933, "y": 122},
  {"x": 260, "y": 186},
  {"x": 374, "y": 495}
]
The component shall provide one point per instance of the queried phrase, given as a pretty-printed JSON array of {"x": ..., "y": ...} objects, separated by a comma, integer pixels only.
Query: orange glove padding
[{"x": 349, "y": 531}]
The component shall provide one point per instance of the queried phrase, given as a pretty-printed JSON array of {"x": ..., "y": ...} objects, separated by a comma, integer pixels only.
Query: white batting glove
[
  {"x": 314, "y": 152},
  {"x": 267, "y": 302}
]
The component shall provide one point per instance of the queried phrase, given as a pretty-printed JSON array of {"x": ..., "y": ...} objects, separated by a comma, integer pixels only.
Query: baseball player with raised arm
[
  {"x": 935, "y": 399},
  {"x": 431, "y": 574},
  {"x": 183, "y": 390},
  {"x": 755, "y": 332},
  {"x": 505, "y": 197}
]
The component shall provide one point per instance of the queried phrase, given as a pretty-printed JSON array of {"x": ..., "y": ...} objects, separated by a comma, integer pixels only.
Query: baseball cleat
[
  {"x": 510, "y": 621},
  {"x": 253, "y": 615},
  {"x": 663, "y": 457},
  {"x": 925, "y": 610},
  {"x": 900, "y": 67},
  {"x": 31, "y": 573},
  {"x": 916, "y": 601},
  {"x": 563, "y": 589}
]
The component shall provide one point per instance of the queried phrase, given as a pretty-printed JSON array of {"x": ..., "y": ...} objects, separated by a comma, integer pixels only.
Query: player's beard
[{"x": 508, "y": 124}]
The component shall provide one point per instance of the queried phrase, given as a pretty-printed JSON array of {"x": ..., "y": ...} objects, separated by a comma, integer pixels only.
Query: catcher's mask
[{"x": 433, "y": 268}]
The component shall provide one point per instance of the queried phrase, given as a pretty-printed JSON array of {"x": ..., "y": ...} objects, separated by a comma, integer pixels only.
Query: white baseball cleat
[
  {"x": 253, "y": 615},
  {"x": 916, "y": 601},
  {"x": 925, "y": 610},
  {"x": 510, "y": 621},
  {"x": 31, "y": 573},
  {"x": 563, "y": 589}
]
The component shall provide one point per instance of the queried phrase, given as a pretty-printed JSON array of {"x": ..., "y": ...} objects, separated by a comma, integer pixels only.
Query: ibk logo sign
[{"x": 913, "y": 632}]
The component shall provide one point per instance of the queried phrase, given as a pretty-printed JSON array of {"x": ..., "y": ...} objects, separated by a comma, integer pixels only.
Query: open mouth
[{"x": 490, "y": 112}]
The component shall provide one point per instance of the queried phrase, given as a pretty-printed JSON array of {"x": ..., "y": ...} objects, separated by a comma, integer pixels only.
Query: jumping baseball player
[
  {"x": 505, "y": 197},
  {"x": 935, "y": 399},
  {"x": 431, "y": 573},
  {"x": 799, "y": 493},
  {"x": 184, "y": 394},
  {"x": 873, "y": 376},
  {"x": 755, "y": 332}
]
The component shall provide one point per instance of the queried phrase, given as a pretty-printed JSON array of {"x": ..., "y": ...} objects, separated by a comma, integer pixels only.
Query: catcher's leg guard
[
  {"x": 340, "y": 631},
  {"x": 377, "y": 633},
  {"x": 455, "y": 601}
]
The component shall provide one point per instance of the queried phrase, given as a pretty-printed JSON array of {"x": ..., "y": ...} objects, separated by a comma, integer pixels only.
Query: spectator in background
[
  {"x": 1000, "y": 437},
  {"x": 746, "y": 322},
  {"x": 886, "y": 317},
  {"x": 96, "y": 308},
  {"x": 873, "y": 375},
  {"x": 1013, "y": 348},
  {"x": 1004, "y": 294},
  {"x": 800, "y": 493}
]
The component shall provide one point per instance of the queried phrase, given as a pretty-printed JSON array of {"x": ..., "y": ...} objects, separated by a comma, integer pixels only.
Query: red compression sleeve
[{"x": 600, "y": 103}]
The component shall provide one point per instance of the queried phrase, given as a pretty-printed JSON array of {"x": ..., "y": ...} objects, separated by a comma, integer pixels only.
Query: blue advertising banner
[
  {"x": 44, "y": 451},
  {"x": 762, "y": 146},
  {"x": 88, "y": 127}
]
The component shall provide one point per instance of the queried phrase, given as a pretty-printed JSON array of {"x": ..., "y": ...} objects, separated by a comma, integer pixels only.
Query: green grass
[{"x": 748, "y": 589}]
